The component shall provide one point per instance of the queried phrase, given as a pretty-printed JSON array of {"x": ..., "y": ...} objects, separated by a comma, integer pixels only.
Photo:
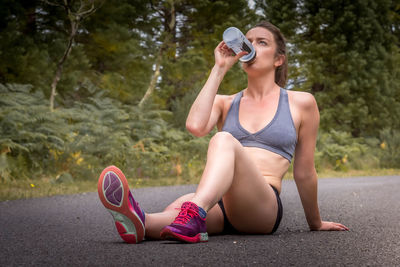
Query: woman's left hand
[{"x": 331, "y": 226}]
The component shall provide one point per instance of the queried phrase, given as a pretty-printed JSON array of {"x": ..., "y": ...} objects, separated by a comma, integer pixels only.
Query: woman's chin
[
  {"x": 249, "y": 64},
  {"x": 250, "y": 67}
]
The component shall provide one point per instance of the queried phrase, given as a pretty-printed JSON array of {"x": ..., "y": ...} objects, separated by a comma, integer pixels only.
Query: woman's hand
[
  {"x": 224, "y": 56},
  {"x": 331, "y": 226}
]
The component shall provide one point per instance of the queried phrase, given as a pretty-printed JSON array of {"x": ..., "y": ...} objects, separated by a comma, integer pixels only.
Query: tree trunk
[
  {"x": 167, "y": 40},
  {"x": 75, "y": 18},
  {"x": 60, "y": 64},
  {"x": 153, "y": 81}
]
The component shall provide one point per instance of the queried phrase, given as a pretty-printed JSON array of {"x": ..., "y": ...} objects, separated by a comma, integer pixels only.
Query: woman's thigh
[{"x": 250, "y": 203}]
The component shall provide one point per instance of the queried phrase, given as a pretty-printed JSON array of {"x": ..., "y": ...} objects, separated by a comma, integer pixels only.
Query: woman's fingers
[
  {"x": 222, "y": 48},
  {"x": 220, "y": 44},
  {"x": 225, "y": 57},
  {"x": 226, "y": 51},
  {"x": 241, "y": 54},
  {"x": 333, "y": 226},
  {"x": 337, "y": 227},
  {"x": 342, "y": 227}
]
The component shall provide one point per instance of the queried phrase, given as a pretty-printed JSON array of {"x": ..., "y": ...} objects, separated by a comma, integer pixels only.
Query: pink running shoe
[
  {"x": 114, "y": 193},
  {"x": 189, "y": 226}
]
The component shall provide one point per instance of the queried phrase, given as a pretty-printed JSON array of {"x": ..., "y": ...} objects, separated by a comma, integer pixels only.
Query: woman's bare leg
[{"x": 230, "y": 173}]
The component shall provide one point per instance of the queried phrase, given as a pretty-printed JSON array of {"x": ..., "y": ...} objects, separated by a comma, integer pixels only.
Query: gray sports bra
[{"x": 279, "y": 136}]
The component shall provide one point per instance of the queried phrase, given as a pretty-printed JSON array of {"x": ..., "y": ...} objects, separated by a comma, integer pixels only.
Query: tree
[
  {"x": 23, "y": 56},
  {"x": 167, "y": 13},
  {"x": 76, "y": 14},
  {"x": 119, "y": 42},
  {"x": 346, "y": 55},
  {"x": 200, "y": 25}
]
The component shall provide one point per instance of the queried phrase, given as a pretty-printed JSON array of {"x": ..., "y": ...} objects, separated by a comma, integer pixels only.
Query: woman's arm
[
  {"x": 208, "y": 106},
  {"x": 304, "y": 171}
]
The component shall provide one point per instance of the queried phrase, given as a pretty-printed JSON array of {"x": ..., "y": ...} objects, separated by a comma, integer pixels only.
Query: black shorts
[{"x": 228, "y": 227}]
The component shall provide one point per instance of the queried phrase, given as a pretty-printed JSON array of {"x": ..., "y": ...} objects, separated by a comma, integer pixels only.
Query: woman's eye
[{"x": 262, "y": 43}]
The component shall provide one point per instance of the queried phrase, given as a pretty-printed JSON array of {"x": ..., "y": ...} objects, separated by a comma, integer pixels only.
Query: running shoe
[
  {"x": 114, "y": 193},
  {"x": 189, "y": 226}
]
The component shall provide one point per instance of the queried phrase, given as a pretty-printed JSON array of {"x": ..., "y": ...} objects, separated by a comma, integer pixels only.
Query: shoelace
[{"x": 185, "y": 215}]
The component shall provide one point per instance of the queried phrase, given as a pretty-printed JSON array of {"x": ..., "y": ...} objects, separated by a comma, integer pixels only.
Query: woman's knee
[{"x": 223, "y": 139}]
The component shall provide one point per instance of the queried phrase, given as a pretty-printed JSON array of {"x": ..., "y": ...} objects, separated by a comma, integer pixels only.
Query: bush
[
  {"x": 29, "y": 132},
  {"x": 390, "y": 148},
  {"x": 89, "y": 135},
  {"x": 86, "y": 136},
  {"x": 339, "y": 151}
]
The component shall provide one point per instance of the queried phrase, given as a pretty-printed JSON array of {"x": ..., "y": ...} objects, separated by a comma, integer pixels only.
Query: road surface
[{"x": 75, "y": 230}]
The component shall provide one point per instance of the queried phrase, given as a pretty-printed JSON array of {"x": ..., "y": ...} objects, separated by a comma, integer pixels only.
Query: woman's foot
[
  {"x": 114, "y": 193},
  {"x": 189, "y": 226}
]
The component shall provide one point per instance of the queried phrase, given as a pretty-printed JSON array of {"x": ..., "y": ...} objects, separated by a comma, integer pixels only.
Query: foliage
[
  {"x": 84, "y": 138},
  {"x": 28, "y": 132},
  {"x": 390, "y": 148},
  {"x": 339, "y": 151},
  {"x": 346, "y": 53}
]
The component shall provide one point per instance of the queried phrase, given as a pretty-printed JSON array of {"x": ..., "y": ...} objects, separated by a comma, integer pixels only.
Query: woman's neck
[{"x": 261, "y": 86}]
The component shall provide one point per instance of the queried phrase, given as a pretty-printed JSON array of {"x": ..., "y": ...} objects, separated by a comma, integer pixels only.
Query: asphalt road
[{"x": 76, "y": 230}]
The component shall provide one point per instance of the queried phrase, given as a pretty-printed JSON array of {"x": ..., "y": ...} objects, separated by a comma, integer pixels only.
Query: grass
[
  {"x": 44, "y": 187},
  {"x": 352, "y": 173}
]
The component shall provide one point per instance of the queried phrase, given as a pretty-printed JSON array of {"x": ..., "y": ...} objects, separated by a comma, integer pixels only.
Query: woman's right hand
[
  {"x": 330, "y": 226},
  {"x": 225, "y": 57}
]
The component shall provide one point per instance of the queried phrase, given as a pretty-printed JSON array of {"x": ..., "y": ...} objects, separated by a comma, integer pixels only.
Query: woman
[{"x": 260, "y": 129}]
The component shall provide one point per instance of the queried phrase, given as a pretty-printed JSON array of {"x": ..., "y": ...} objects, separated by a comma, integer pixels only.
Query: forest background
[{"x": 86, "y": 84}]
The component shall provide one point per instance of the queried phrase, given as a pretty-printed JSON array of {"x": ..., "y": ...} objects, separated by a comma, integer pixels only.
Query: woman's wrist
[
  {"x": 315, "y": 225},
  {"x": 219, "y": 71}
]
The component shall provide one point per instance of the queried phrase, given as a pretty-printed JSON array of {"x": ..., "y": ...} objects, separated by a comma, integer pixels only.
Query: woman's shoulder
[
  {"x": 302, "y": 100},
  {"x": 225, "y": 100},
  {"x": 227, "y": 97}
]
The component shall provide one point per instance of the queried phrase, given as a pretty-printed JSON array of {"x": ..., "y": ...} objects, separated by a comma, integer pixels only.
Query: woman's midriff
[{"x": 271, "y": 165}]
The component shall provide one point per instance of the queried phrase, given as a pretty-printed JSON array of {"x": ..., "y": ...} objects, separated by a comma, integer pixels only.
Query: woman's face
[{"x": 265, "y": 46}]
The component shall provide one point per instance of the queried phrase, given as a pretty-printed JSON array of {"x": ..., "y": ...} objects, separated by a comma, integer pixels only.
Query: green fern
[{"x": 87, "y": 136}]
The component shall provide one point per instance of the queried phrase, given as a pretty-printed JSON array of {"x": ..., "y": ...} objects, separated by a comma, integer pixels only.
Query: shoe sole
[
  {"x": 170, "y": 235},
  {"x": 113, "y": 193}
]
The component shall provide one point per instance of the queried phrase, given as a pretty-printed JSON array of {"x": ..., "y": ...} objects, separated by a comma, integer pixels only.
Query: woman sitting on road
[{"x": 260, "y": 129}]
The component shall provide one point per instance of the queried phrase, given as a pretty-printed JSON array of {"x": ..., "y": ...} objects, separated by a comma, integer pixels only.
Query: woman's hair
[{"x": 282, "y": 70}]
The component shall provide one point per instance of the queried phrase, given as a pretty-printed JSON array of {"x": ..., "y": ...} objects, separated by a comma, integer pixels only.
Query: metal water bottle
[{"x": 236, "y": 41}]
